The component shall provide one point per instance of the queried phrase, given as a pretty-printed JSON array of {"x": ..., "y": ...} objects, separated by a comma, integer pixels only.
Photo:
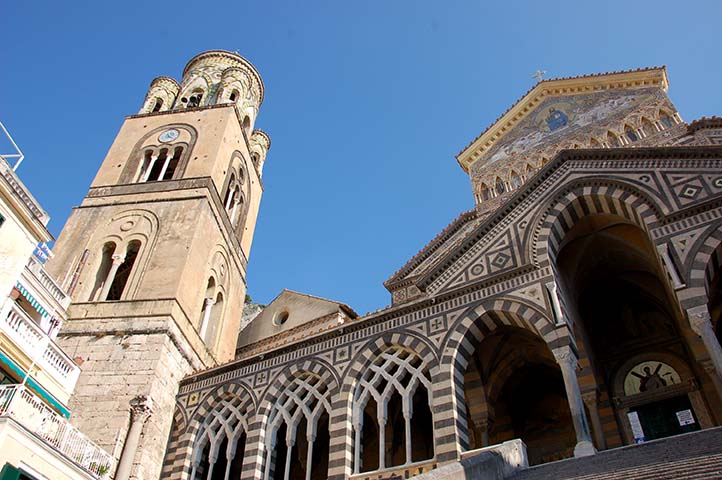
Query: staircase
[{"x": 692, "y": 456}]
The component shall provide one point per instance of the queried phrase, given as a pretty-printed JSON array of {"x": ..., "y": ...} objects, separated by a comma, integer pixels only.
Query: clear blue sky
[{"x": 367, "y": 102}]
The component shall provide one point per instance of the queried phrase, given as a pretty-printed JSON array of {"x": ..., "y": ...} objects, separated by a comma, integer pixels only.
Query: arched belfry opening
[
  {"x": 627, "y": 324},
  {"x": 513, "y": 388}
]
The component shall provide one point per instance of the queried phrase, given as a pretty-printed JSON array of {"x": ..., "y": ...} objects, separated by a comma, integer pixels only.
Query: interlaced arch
[
  {"x": 301, "y": 405},
  {"x": 220, "y": 441},
  {"x": 396, "y": 371}
]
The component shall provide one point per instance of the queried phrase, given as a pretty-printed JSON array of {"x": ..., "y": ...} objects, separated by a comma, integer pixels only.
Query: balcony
[
  {"x": 42, "y": 350},
  {"x": 19, "y": 404}
]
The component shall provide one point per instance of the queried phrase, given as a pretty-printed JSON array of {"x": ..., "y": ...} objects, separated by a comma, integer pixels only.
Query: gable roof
[{"x": 567, "y": 86}]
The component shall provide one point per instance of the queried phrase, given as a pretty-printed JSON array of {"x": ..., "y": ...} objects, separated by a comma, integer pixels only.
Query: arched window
[
  {"x": 484, "y": 193},
  {"x": 233, "y": 96},
  {"x": 500, "y": 187},
  {"x": 221, "y": 442},
  {"x": 515, "y": 179},
  {"x": 298, "y": 436},
  {"x": 593, "y": 143},
  {"x": 207, "y": 306},
  {"x": 529, "y": 170},
  {"x": 665, "y": 120},
  {"x": 648, "y": 126},
  {"x": 123, "y": 271},
  {"x": 392, "y": 419},
  {"x": 544, "y": 161},
  {"x": 195, "y": 98},
  {"x": 630, "y": 133},
  {"x": 101, "y": 277},
  {"x": 247, "y": 125},
  {"x": 612, "y": 140},
  {"x": 158, "y": 105}
]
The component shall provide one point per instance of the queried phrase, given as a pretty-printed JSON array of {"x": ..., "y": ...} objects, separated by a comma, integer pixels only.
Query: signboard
[
  {"x": 685, "y": 418},
  {"x": 636, "y": 427}
]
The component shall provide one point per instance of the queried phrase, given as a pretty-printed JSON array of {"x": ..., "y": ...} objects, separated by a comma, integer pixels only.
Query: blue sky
[{"x": 366, "y": 105}]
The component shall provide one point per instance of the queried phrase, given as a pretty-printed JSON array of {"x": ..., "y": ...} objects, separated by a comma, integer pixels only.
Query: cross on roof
[{"x": 539, "y": 75}]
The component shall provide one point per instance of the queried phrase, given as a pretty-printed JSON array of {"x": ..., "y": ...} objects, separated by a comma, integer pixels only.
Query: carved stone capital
[
  {"x": 700, "y": 320},
  {"x": 565, "y": 357},
  {"x": 141, "y": 408},
  {"x": 708, "y": 366},
  {"x": 118, "y": 259}
]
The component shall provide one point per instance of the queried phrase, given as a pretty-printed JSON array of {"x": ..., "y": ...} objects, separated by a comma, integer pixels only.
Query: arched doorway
[
  {"x": 513, "y": 388},
  {"x": 620, "y": 302}
]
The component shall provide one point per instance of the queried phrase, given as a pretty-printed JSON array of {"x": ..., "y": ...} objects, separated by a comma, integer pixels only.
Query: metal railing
[
  {"x": 20, "y": 404},
  {"x": 40, "y": 347},
  {"x": 36, "y": 268}
]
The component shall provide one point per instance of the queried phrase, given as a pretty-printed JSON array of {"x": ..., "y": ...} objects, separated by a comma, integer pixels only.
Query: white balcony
[
  {"x": 21, "y": 405},
  {"x": 42, "y": 350}
]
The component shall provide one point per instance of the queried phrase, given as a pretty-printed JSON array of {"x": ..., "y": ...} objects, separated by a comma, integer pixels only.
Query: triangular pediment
[{"x": 553, "y": 109}]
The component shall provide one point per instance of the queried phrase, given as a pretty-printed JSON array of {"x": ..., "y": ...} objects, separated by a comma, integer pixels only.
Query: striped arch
[
  {"x": 467, "y": 333},
  {"x": 300, "y": 392},
  {"x": 227, "y": 409},
  {"x": 704, "y": 260},
  {"x": 588, "y": 198}
]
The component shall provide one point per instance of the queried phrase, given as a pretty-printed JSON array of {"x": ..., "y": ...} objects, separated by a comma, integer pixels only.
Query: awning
[{"x": 36, "y": 305}]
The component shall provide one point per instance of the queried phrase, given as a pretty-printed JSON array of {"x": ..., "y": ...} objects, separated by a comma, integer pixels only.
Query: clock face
[
  {"x": 168, "y": 135},
  {"x": 648, "y": 376}
]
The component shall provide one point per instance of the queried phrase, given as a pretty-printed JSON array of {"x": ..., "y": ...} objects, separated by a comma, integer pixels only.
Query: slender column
[
  {"x": 553, "y": 290},
  {"x": 700, "y": 320},
  {"x": 663, "y": 251},
  {"x": 289, "y": 450},
  {"x": 567, "y": 360},
  {"x": 141, "y": 408},
  {"x": 149, "y": 168},
  {"x": 408, "y": 413},
  {"x": 229, "y": 202},
  {"x": 207, "y": 307},
  {"x": 708, "y": 367},
  {"x": 357, "y": 446},
  {"x": 117, "y": 262},
  {"x": 382, "y": 440},
  {"x": 591, "y": 400},
  {"x": 269, "y": 457},
  {"x": 310, "y": 438},
  {"x": 165, "y": 166},
  {"x": 235, "y": 208}
]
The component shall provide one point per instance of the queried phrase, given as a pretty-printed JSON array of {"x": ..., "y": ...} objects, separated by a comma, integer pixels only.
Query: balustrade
[{"x": 21, "y": 404}]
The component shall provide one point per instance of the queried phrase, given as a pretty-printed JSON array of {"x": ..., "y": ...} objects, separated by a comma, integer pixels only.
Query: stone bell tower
[{"x": 155, "y": 256}]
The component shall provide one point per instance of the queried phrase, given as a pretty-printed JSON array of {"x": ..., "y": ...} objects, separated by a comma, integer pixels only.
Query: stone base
[{"x": 584, "y": 449}]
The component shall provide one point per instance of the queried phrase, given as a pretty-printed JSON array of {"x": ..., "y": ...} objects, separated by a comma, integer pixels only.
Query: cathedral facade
[{"x": 575, "y": 307}]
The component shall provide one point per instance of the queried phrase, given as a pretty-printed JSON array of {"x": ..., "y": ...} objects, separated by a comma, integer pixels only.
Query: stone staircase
[{"x": 692, "y": 456}]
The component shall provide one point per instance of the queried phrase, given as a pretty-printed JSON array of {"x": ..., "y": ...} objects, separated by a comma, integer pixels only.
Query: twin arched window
[
  {"x": 211, "y": 313},
  {"x": 194, "y": 100},
  {"x": 233, "y": 201},
  {"x": 158, "y": 105},
  {"x": 116, "y": 267}
]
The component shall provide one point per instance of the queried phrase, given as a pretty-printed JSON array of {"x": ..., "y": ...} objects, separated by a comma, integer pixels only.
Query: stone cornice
[{"x": 625, "y": 80}]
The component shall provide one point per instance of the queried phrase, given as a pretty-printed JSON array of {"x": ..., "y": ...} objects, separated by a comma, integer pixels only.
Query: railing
[
  {"x": 398, "y": 472},
  {"x": 38, "y": 271},
  {"x": 40, "y": 347},
  {"x": 20, "y": 404}
]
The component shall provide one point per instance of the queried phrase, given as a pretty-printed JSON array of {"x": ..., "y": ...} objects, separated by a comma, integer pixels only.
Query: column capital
[
  {"x": 565, "y": 356},
  {"x": 699, "y": 319},
  {"x": 590, "y": 398},
  {"x": 118, "y": 259},
  {"x": 141, "y": 408}
]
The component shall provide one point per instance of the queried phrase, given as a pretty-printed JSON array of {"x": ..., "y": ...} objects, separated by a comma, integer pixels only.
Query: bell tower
[{"x": 155, "y": 256}]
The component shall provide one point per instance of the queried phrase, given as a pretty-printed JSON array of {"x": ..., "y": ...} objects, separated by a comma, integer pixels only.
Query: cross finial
[{"x": 539, "y": 75}]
